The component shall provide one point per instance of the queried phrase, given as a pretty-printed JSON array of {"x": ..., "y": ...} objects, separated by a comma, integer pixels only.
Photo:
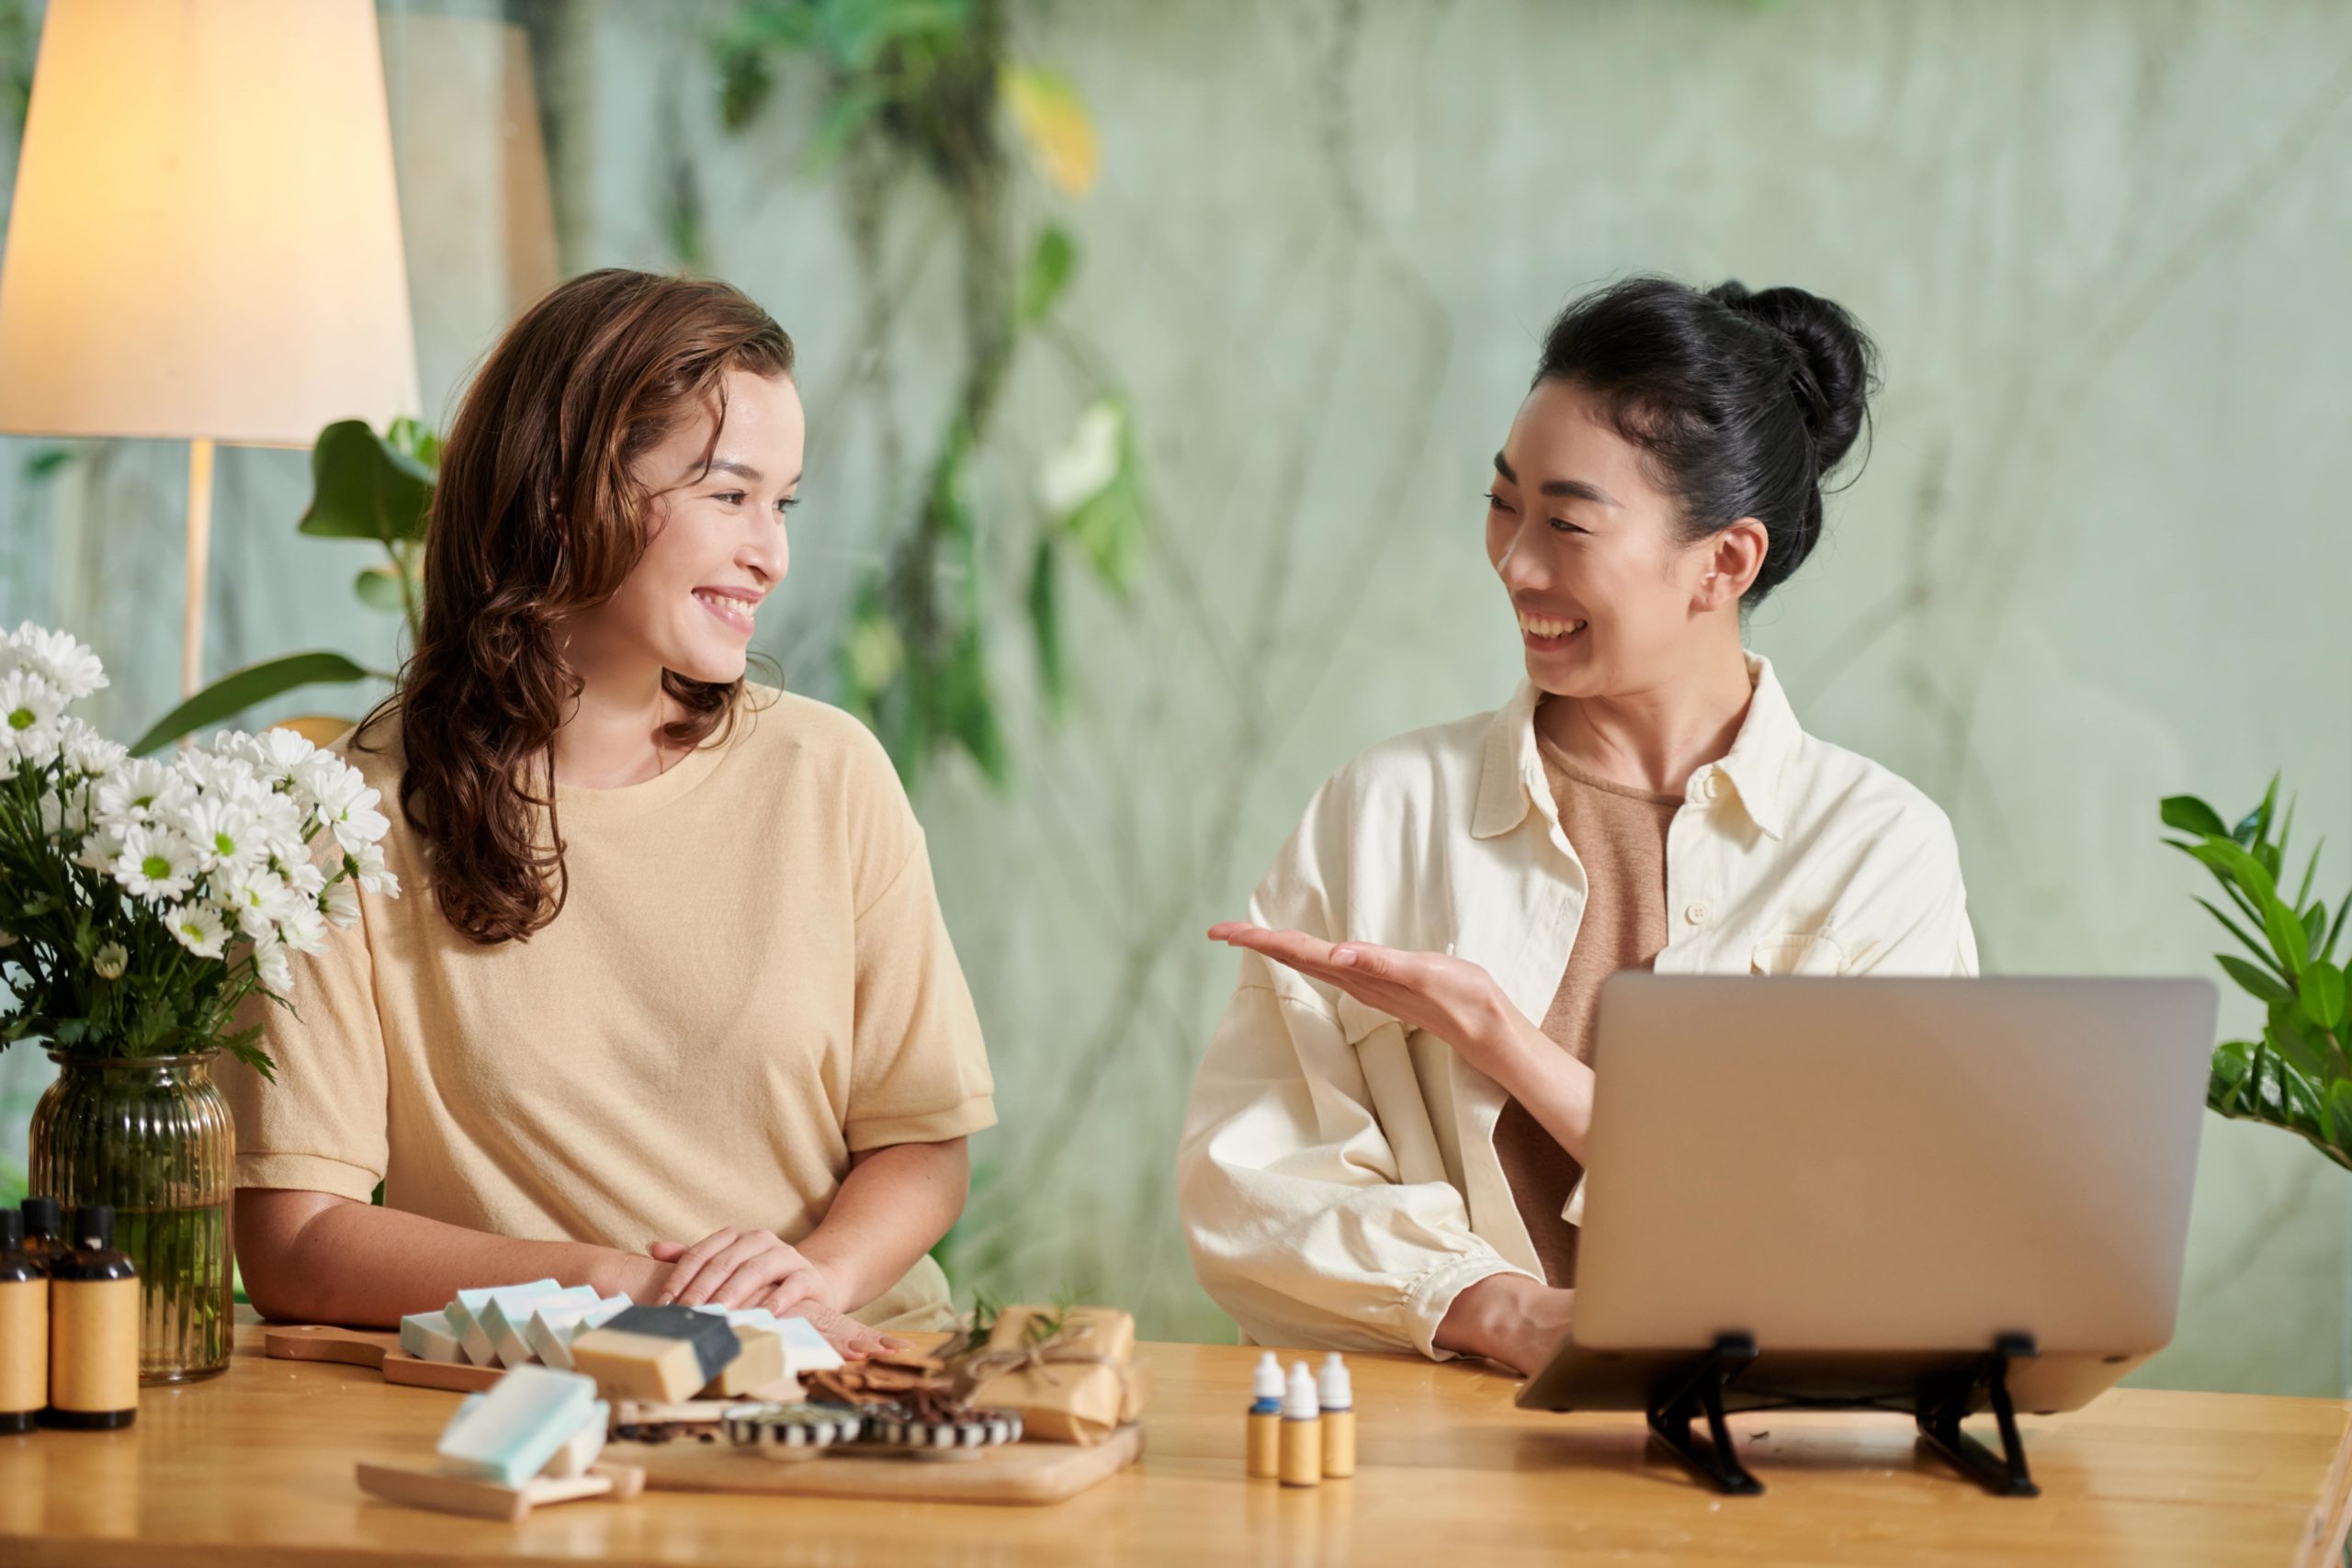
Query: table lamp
[{"x": 205, "y": 244}]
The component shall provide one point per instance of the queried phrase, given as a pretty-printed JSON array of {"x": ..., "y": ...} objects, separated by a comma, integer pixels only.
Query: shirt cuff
[
  {"x": 927, "y": 1127},
  {"x": 1431, "y": 1296},
  {"x": 1574, "y": 1212},
  {"x": 308, "y": 1173}
]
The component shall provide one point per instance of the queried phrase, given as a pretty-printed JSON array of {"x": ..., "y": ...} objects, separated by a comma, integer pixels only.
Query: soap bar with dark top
[{"x": 665, "y": 1353}]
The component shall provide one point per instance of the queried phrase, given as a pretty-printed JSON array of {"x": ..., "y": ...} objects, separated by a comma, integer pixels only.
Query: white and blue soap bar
[
  {"x": 508, "y": 1435},
  {"x": 465, "y": 1316},
  {"x": 506, "y": 1317},
  {"x": 430, "y": 1336}
]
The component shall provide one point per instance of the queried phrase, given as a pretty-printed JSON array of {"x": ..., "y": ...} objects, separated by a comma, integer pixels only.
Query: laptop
[{"x": 1875, "y": 1180}]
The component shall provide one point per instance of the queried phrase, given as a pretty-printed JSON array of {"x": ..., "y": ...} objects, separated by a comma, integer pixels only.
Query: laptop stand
[{"x": 1939, "y": 1402}]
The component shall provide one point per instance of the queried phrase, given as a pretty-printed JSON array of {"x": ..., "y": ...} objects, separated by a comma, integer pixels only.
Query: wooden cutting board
[
  {"x": 378, "y": 1349},
  {"x": 1029, "y": 1473},
  {"x": 1018, "y": 1473}
]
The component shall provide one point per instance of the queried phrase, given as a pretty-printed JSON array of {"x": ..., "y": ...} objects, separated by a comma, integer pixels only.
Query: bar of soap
[
  {"x": 580, "y": 1451},
  {"x": 430, "y": 1336},
  {"x": 552, "y": 1329},
  {"x": 664, "y": 1353},
  {"x": 509, "y": 1314},
  {"x": 507, "y": 1434},
  {"x": 759, "y": 1362},
  {"x": 465, "y": 1316},
  {"x": 805, "y": 1349}
]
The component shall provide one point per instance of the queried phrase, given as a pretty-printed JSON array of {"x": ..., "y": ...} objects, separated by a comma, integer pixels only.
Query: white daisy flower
[
  {"x": 128, "y": 793},
  {"x": 99, "y": 851},
  {"x": 226, "y": 835},
  {"x": 62, "y": 661},
  {"x": 366, "y": 865},
  {"x": 30, "y": 709},
  {"x": 339, "y": 904},
  {"x": 279, "y": 753},
  {"x": 87, "y": 752},
  {"x": 199, "y": 928},
  {"x": 270, "y": 962},
  {"x": 302, "y": 929},
  {"x": 348, "y": 807},
  {"x": 155, "y": 864},
  {"x": 110, "y": 960},
  {"x": 257, "y": 896}
]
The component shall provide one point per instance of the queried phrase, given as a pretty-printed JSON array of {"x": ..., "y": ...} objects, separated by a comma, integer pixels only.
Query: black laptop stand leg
[
  {"x": 1702, "y": 1392},
  {"x": 2003, "y": 1475}
]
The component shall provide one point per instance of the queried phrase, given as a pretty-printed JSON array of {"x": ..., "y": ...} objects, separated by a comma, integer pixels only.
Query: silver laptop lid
[{"x": 1890, "y": 1164}]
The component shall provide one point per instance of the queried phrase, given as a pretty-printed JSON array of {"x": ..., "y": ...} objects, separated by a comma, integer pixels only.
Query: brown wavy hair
[{"x": 536, "y": 516}]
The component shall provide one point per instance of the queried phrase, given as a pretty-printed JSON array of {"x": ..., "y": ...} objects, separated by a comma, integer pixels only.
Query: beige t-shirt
[
  {"x": 749, "y": 980},
  {"x": 1620, "y": 837}
]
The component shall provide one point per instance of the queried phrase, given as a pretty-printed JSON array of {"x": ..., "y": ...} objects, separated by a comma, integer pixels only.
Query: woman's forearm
[
  {"x": 893, "y": 1206},
  {"x": 1555, "y": 1086},
  {"x": 316, "y": 1257}
]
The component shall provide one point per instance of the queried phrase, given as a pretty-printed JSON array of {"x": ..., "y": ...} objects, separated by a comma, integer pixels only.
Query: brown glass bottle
[
  {"x": 44, "y": 1227},
  {"x": 23, "y": 1329},
  {"x": 92, "y": 1329}
]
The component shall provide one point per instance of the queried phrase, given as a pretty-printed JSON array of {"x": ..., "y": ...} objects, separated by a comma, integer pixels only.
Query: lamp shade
[{"x": 204, "y": 241}]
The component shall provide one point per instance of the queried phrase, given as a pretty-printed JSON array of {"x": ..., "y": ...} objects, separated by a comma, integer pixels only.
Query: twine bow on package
[{"x": 1069, "y": 1372}]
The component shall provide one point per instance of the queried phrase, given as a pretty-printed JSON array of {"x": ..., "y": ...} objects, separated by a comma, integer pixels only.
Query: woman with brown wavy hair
[{"x": 677, "y": 1016}]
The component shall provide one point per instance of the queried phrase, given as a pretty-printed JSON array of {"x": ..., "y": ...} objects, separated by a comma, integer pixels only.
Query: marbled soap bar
[
  {"x": 665, "y": 1353},
  {"x": 507, "y": 1434}
]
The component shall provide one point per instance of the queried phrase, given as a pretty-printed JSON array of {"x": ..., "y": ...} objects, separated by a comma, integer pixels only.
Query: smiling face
[
  {"x": 714, "y": 537},
  {"x": 1609, "y": 600}
]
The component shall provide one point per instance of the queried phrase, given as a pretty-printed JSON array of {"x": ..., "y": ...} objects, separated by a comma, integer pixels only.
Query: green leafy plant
[
  {"x": 363, "y": 486},
  {"x": 923, "y": 88},
  {"x": 2299, "y": 1075}
]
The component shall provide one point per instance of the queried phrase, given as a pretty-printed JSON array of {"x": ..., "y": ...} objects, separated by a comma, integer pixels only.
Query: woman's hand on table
[
  {"x": 846, "y": 1334},
  {"x": 739, "y": 1268},
  {"x": 1510, "y": 1318}
]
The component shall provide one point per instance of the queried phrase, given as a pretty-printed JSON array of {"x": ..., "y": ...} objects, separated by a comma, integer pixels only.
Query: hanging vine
[{"x": 925, "y": 88}]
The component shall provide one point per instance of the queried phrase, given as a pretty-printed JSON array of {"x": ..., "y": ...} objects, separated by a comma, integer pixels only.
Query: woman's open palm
[{"x": 1451, "y": 998}]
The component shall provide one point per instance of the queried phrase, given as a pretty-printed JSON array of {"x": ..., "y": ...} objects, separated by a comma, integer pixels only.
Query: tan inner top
[
  {"x": 1620, "y": 835},
  {"x": 749, "y": 982}
]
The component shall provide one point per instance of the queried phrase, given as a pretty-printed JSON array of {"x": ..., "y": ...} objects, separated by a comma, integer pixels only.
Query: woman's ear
[{"x": 1732, "y": 558}]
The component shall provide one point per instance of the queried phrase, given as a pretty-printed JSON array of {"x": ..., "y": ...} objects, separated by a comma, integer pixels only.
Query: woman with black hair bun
[{"x": 1382, "y": 1148}]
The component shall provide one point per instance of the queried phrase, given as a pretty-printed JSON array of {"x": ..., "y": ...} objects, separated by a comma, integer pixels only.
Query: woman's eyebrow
[
  {"x": 1572, "y": 490},
  {"x": 726, "y": 465}
]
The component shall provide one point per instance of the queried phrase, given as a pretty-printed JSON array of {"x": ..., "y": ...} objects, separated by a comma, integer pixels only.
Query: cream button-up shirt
[{"x": 1337, "y": 1174}]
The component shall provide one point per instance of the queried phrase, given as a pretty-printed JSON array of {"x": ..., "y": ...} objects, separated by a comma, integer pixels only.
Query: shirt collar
[{"x": 1511, "y": 771}]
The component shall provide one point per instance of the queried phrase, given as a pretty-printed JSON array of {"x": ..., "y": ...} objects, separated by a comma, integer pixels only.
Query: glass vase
[{"x": 152, "y": 1137}]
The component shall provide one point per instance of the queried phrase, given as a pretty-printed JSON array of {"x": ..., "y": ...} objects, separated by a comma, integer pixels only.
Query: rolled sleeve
[
  {"x": 1311, "y": 1191},
  {"x": 919, "y": 1071},
  {"x": 320, "y": 1126}
]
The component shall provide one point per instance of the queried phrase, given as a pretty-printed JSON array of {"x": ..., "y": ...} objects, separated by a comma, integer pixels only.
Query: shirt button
[{"x": 1697, "y": 914}]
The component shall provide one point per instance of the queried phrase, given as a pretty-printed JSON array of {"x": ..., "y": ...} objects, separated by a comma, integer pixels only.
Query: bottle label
[
  {"x": 94, "y": 1345},
  {"x": 24, "y": 1346}
]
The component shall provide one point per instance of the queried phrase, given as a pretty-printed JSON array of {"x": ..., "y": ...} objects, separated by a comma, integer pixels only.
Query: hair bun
[{"x": 1834, "y": 361}]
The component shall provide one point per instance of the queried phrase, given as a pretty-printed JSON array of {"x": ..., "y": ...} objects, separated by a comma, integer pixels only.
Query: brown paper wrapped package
[{"x": 1073, "y": 1385}]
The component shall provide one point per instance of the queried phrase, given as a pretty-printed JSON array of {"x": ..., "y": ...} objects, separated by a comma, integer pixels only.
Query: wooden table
[{"x": 254, "y": 1470}]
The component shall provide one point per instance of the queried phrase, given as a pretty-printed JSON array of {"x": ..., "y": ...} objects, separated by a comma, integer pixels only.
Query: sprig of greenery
[{"x": 2299, "y": 1075}]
